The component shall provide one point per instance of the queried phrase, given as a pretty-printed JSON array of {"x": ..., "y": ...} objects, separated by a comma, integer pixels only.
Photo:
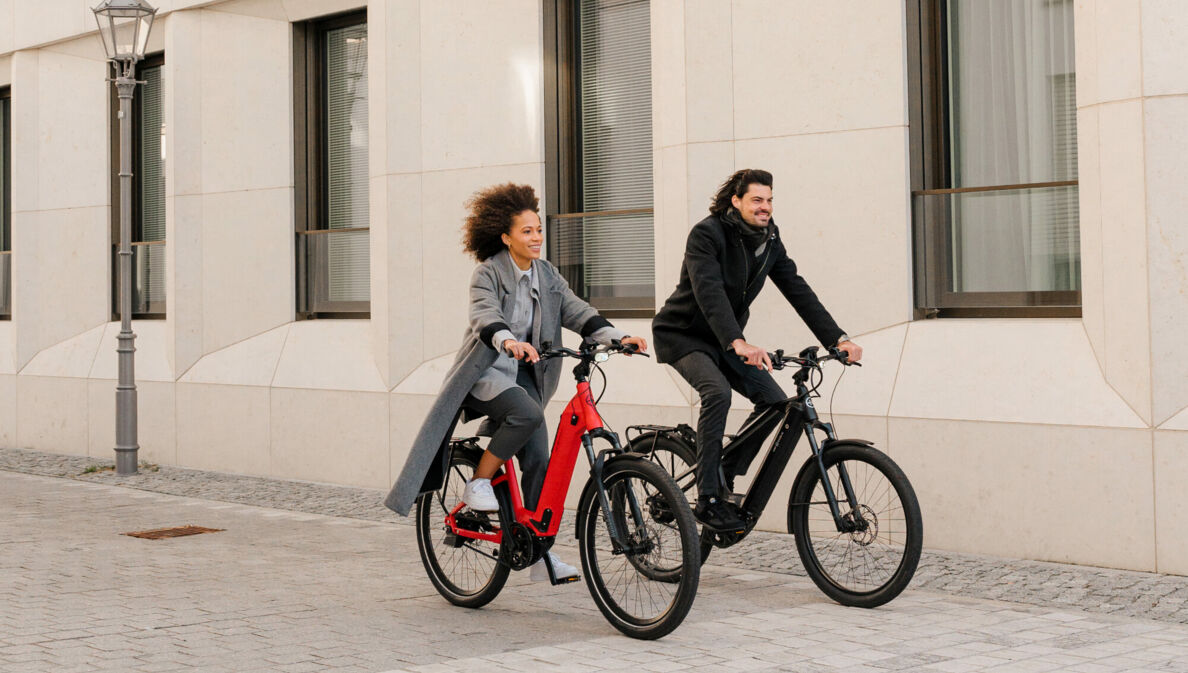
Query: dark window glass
[
  {"x": 600, "y": 152},
  {"x": 5, "y": 207},
  {"x": 148, "y": 192},
  {"x": 333, "y": 227}
]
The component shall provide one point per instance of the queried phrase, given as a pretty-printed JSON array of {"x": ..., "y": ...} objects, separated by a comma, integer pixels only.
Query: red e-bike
[{"x": 638, "y": 540}]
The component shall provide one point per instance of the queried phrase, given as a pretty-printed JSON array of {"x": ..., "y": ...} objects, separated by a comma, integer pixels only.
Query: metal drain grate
[{"x": 180, "y": 531}]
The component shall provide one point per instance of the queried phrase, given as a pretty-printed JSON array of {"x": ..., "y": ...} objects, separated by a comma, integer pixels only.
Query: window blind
[
  {"x": 149, "y": 261},
  {"x": 5, "y": 242},
  {"x": 349, "y": 273},
  {"x": 152, "y": 156},
  {"x": 615, "y": 113},
  {"x": 5, "y": 235}
]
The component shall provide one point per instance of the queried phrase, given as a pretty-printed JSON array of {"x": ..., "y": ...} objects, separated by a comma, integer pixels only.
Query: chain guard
[{"x": 521, "y": 548}]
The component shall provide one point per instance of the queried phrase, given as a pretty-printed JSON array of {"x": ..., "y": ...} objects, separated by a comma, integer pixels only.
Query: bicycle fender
[
  {"x": 589, "y": 488},
  {"x": 833, "y": 442}
]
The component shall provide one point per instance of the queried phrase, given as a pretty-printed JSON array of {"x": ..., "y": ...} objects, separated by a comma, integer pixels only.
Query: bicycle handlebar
[
  {"x": 808, "y": 358},
  {"x": 589, "y": 353}
]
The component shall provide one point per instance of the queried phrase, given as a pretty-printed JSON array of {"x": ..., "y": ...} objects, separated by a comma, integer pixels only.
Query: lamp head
[{"x": 124, "y": 28}]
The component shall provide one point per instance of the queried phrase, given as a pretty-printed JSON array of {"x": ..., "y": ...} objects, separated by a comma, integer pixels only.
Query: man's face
[{"x": 755, "y": 206}]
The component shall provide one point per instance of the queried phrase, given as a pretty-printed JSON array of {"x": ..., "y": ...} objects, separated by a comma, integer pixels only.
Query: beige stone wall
[{"x": 1061, "y": 440}]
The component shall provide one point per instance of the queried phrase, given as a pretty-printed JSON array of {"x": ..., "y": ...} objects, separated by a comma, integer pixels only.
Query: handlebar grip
[{"x": 843, "y": 357}]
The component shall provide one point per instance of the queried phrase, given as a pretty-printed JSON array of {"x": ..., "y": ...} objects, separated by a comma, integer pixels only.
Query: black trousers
[
  {"x": 713, "y": 383},
  {"x": 520, "y": 431}
]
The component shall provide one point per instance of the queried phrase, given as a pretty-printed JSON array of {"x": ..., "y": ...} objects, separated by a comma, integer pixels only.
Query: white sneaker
[
  {"x": 479, "y": 496},
  {"x": 560, "y": 568}
]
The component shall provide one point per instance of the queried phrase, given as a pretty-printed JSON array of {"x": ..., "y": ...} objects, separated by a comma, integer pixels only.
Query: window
[
  {"x": 333, "y": 228},
  {"x": 5, "y": 206},
  {"x": 148, "y": 193},
  {"x": 994, "y": 157},
  {"x": 598, "y": 95}
]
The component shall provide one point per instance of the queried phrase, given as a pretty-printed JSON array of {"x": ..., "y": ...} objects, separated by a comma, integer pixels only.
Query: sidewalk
[{"x": 310, "y": 577}]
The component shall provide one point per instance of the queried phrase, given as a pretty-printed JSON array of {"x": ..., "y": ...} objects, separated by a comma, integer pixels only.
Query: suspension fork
[
  {"x": 619, "y": 542},
  {"x": 812, "y": 423}
]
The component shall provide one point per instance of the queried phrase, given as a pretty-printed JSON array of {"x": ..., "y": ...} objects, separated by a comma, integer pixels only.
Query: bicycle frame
[
  {"x": 580, "y": 425},
  {"x": 793, "y": 416}
]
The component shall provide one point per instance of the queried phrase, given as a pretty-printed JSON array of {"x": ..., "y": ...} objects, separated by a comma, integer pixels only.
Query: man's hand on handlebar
[
  {"x": 640, "y": 343},
  {"x": 520, "y": 350},
  {"x": 852, "y": 350},
  {"x": 752, "y": 355}
]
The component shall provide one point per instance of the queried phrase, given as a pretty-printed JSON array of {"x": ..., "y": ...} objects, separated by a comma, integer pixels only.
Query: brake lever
[
  {"x": 631, "y": 349},
  {"x": 843, "y": 357}
]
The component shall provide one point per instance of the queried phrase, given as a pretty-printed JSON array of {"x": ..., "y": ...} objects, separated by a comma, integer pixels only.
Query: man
[{"x": 699, "y": 331}]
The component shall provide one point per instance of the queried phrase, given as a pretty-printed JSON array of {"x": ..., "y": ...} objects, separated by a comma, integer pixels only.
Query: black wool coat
[{"x": 711, "y": 304}]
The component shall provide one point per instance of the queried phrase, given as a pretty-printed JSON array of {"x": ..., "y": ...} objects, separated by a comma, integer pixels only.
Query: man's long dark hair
[{"x": 737, "y": 185}]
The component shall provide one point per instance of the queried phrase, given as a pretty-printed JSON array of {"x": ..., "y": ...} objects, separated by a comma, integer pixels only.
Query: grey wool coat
[{"x": 492, "y": 300}]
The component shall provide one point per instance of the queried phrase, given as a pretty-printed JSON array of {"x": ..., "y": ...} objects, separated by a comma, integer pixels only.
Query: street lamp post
[{"x": 124, "y": 28}]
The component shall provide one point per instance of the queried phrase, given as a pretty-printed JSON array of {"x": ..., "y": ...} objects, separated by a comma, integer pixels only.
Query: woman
[{"x": 517, "y": 302}]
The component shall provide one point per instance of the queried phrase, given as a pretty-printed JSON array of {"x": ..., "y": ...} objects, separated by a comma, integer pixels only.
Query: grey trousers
[
  {"x": 520, "y": 431},
  {"x": 713, "y": 383}
]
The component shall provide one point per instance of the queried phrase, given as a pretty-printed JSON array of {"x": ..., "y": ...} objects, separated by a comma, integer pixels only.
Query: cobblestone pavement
[
  {"x": 1098, "y": 590},
  {"x": 288, "y": 591}
]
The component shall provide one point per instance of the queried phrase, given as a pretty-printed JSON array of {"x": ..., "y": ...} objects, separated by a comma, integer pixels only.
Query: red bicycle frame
[{"x": 580, "y": 417}]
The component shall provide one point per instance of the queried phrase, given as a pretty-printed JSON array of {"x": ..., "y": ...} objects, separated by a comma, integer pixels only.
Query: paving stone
[{"x": 308, "y": 577}]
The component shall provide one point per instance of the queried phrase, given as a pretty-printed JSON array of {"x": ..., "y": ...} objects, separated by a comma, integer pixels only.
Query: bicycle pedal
[
  {"x": 566, "y": 580},
  {"x": 723, "y": 531}
]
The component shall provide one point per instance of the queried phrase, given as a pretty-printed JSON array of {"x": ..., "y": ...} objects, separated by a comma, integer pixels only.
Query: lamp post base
[{"x": 126, "y": 460}]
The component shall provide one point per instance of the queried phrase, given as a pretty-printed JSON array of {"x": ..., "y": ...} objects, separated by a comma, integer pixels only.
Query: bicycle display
[{"x": 858, "y": 529}]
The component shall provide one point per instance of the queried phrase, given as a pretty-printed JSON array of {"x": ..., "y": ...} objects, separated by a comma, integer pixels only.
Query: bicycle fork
[
  {"x": 621, "y": 542},
  {"x": 845, "y": 523},
  {"x": 854, "y": 521}
]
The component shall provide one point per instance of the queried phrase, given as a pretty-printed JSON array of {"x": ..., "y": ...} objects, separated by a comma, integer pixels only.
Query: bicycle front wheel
[
  {"x": 646, "y": 590},
  {"x": 464, "y": 571},
  {"x": 874, "y": 562}
]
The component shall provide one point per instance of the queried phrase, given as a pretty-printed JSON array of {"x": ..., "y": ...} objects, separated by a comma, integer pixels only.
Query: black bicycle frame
[{"x": 794, "y": 416}]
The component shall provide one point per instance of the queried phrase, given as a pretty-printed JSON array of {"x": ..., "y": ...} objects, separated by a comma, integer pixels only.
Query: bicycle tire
[
  {"x": 865, "y": 568},
  {"x": 466, "y": 575},
  {"x": 614, "y": 579},
  {"x": 676, "y": 458}
]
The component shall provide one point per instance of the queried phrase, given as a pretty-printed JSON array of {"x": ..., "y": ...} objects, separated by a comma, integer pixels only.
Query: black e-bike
[{"x": 852, "y": 511}]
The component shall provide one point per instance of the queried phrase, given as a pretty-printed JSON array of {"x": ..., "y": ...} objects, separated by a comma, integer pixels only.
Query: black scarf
[{"x": 753, "y": 236}]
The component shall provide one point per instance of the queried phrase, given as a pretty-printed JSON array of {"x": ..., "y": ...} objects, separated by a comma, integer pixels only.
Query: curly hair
[
  {"x": 736, "y": 185},
  {"x": 490, "y": 216}
]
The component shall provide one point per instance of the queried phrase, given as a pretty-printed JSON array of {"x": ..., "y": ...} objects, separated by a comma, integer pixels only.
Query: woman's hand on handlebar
[
  {"x": 752, "y": 355},
  {"x": 640, "y": 343},
  {"x": 852, "y": 350},
  {"x": 520, "y": 350}
]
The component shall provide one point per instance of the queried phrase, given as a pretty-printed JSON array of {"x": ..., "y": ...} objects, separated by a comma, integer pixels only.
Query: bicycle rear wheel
[
  {"x": 464, "y": 571},
  {"x": 647, "y": 590},
  {"x": 874, "y": 563}
]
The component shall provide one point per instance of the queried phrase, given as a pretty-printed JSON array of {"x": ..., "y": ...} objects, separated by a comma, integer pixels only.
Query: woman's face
[{"x": 524, "y": 237}]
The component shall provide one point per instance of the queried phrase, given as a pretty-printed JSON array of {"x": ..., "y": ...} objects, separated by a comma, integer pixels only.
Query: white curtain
[{"x": 1012, "y": 87}]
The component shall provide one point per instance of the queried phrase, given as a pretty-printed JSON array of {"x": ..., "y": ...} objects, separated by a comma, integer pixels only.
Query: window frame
[
  {"x": 310, "y": 148},
  {"x": 563, "y": 140},
  {"x": 158, "y": 310},
  {"x": 929, "y": 171}
]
